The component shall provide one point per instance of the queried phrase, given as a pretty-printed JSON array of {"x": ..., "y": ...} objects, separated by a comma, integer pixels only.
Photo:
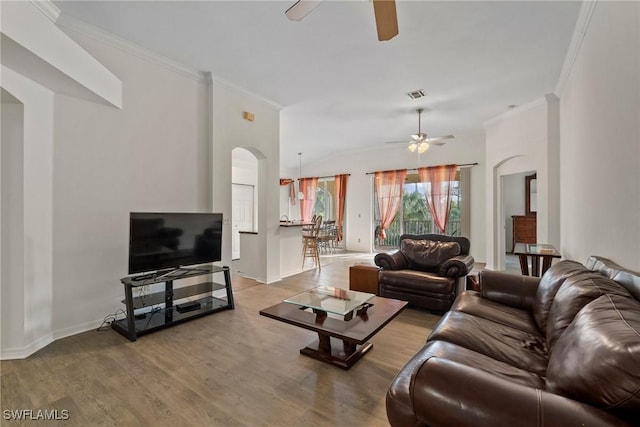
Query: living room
[{"x": 115, "y": 130}]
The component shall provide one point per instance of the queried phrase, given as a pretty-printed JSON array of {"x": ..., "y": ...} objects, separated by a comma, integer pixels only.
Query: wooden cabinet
[{"x": 524, "y": 229}]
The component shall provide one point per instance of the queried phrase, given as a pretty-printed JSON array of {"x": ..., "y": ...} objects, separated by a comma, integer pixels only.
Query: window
[
  {"x": 325, "y": 197},
  {"x": 414, "y": 217}
]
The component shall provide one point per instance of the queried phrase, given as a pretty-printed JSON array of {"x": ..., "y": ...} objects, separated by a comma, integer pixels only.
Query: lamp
[{"x": 300, "y": 193}]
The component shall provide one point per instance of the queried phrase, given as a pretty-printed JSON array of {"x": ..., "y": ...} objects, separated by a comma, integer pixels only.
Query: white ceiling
[{"x": 340, "y": 87}]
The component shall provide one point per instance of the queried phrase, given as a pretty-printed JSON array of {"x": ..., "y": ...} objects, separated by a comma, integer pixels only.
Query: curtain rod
[
  {"x": 464, "y": 165},
  {"x": 328, "y": 176}
]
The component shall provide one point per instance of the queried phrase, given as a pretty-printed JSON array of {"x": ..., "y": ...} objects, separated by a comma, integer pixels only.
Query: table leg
[
  {"x": 546, "y": 263},
  {"x": 535, "y": 265},
  {"x": 320, "y": 315},
  {"x": 324, "y": 344},
  {"x": 344, "y": 356},
  {"x": 524, "y": 265}
]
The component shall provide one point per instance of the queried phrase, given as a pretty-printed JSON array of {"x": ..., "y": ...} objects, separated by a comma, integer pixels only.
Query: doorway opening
[{"x": 244, "y": 197}]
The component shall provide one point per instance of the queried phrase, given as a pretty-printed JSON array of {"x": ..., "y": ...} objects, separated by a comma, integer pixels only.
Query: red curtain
[
  {"x": 292, "y": 189},
  {"x": 389, "y": 188},
  {"x": 437, "y": 181},
  {"x": 341, "y": 195},
  {"x": 307, "y": 186}
]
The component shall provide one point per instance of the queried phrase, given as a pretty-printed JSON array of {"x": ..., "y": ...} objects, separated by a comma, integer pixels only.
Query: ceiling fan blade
[
  {"x": 300, "y": 9},
  {"x": 399, "y": 142},
  {"x": 386, "y": 19},
  {"x": 437, "y": 140}
]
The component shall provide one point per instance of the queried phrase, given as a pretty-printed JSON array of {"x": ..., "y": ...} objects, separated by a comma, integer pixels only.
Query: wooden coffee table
[{"x": 344, "y": 321}]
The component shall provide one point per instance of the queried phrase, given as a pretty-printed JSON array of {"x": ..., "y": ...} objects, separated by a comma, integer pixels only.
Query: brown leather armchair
[{"x": 427, "y": 270}]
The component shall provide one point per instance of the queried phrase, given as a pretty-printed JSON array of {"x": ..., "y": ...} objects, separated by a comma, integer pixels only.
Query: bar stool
[{"x": 310, "y": 242}]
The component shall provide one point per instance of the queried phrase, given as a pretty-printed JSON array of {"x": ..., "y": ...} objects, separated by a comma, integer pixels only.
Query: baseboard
[
  {"x": 26, "y": 351},
  {"x": 39, "y": 344}
]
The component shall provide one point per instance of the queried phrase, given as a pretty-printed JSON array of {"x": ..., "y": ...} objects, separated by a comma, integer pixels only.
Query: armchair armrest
[
  {"x": 394, "y": 261},
  {"x": 510, "y": 289},
  {"x": 447, "y": 393},
  {"x": 457, "y": 266}
]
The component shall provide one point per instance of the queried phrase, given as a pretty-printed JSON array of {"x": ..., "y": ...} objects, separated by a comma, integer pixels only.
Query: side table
[{"x": 364, "y": 278}]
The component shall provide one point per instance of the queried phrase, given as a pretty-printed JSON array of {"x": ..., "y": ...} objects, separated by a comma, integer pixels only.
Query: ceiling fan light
[
  {"x": 412, "y": 147},
  {"x": 423, "y": 147}
]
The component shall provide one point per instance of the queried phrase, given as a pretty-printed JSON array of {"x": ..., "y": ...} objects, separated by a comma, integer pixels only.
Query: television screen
[{"x": 160, "y": 241}]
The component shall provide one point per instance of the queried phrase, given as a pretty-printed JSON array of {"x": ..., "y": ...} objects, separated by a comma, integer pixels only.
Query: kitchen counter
[
  {"x": 291, "y": 248},
  {"x": 293, "y": 223}
]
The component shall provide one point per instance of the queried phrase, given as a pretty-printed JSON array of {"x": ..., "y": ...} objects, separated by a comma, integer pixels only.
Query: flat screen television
[{"x": 164, "y": 241}]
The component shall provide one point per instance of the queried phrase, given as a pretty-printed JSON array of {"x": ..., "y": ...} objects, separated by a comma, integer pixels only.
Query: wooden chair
[{"x": 310, "y": 242}]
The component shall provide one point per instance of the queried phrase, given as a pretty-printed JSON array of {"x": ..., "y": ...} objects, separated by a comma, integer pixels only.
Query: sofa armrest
[
  {"x": 457, "y": 266},
  {"x": 510, "y": 289},
  {"x": 446, "y": 393},
  {"x": 394, "y": 261}
]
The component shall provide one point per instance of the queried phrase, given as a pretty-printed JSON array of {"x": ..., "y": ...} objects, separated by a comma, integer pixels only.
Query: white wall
[
  {"x": 359, "y": 205},
  {"x": 32, "y": 292},
  {"x": 522, "y": 140},
  {"x": 12, "y": 224},
  {"x": 26, "y": 24},
  {"x": 514, "y": 203},
  {"x": 150, "y": 156},
  {"x": 600, "y": 140},
  {"x": 261, "y": 137},
  {"x": 168, "y": 149}
]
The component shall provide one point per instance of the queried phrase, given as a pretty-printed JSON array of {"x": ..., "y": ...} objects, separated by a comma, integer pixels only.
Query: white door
[{"x": 241, "y": 213}]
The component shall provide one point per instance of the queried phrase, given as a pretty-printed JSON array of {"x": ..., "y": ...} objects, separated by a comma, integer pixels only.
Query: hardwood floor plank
[{"x": 233, "y": 368}]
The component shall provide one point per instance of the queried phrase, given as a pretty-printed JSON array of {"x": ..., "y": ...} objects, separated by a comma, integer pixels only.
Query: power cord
[{"x": 109, "y": 319}]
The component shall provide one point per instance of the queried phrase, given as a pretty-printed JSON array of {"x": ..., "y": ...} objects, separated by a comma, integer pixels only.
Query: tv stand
[{"x": 157, "y": 311}]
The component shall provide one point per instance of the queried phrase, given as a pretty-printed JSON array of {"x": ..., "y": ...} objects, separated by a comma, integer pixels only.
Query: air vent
[{"x": 416, "y": 94}]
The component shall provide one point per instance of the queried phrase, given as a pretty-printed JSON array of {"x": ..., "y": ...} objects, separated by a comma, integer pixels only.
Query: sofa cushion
[
  {"x": 521, "y": 349},
  {"x": 416, "y": 282},
  {"x": 549, "y": 284},
  {"x": 471, "y": 302},
  {"x": 597, "y": 359},
  {"x": 480, "y": 361},
  {"x": 400, "y": 404},
  {"x": 426, "y": 255},
  {"x": 575, "y": 293}
]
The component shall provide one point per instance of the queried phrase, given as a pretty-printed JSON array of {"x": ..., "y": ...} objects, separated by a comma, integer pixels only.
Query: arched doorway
[{"x": 244, "y": 196}]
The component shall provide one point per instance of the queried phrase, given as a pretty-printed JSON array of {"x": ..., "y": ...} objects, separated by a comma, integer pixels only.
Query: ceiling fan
[
  {"x": 384, "y": 10},
  {"x": 420, "y": 141}
]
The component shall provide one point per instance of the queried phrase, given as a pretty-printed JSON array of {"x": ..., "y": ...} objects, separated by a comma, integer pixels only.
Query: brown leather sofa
[
  {"x": 561, "y": 350},
  {"x": 425, "y": 271}
]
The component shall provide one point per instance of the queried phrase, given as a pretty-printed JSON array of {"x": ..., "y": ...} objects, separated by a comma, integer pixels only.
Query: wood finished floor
[{"x": 233, "y": 368}]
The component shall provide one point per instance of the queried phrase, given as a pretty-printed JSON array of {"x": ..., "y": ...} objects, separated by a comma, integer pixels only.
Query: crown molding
[
  {"x": 48, "y": 9},
  {"x": 244, "y": 91},
  {"x": 580, "y": 30},
  {"x": 76, "y": 25}
]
